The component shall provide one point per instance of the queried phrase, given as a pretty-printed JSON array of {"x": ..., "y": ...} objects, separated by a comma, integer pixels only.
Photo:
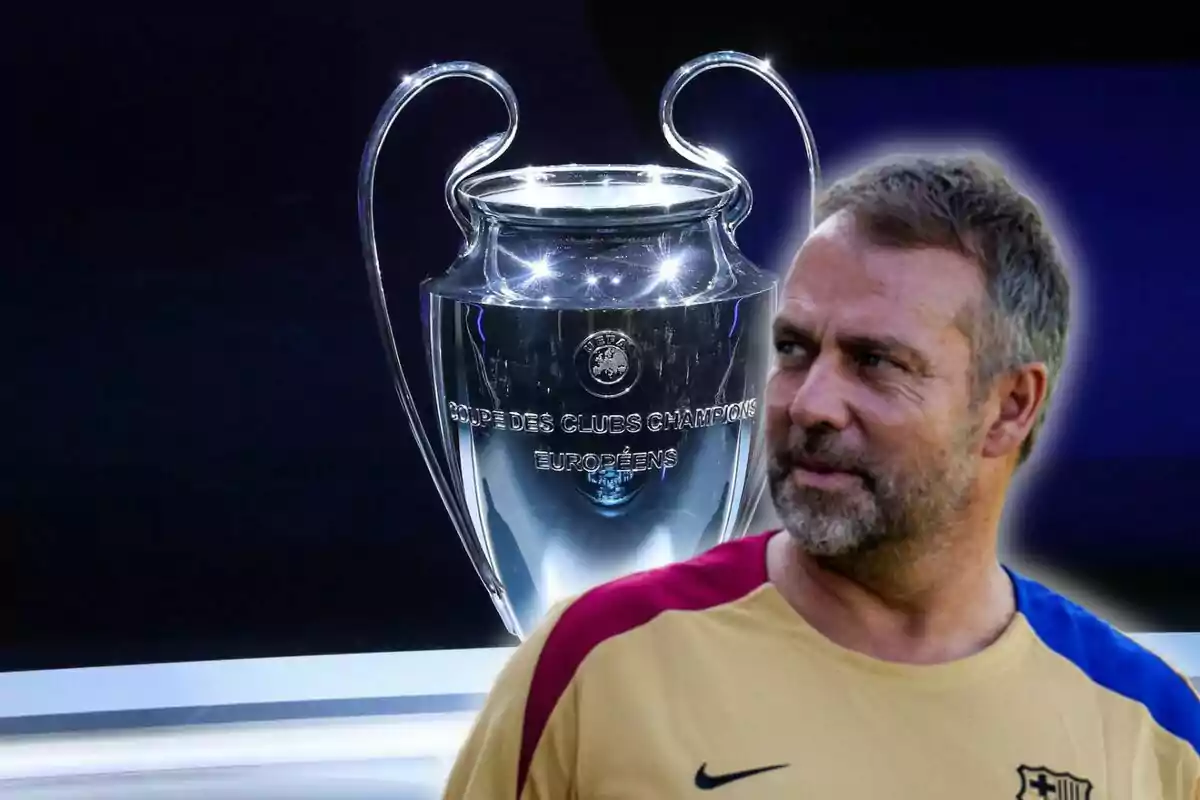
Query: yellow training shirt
[{"x": 699, "y": 680}]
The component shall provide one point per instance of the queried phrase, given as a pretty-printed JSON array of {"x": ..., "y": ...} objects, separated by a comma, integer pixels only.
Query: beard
[{"x": 894, "y": 504}]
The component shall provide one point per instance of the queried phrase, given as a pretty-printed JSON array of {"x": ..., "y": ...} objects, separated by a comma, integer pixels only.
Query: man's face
[{"x": 872, "y": 434}]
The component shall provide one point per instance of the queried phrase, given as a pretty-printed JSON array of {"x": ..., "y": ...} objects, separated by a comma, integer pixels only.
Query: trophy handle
[
  {"x": 708, "y": 158},
  {"x": 475, "y": 159}
]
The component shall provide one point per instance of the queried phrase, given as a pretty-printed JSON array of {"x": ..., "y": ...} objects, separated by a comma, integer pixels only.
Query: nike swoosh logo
[{"x": 706, "y": 781}]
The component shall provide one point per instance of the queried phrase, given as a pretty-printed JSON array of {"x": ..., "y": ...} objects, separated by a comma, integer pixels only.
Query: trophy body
[{"x": 597, "y": 354}]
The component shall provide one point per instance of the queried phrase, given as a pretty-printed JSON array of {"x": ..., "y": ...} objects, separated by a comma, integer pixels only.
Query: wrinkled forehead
[{"x": 840, "y": 279}]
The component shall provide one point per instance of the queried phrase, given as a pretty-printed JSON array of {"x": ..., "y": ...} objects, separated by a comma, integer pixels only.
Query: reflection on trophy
[{"x": 597, "y": 354}]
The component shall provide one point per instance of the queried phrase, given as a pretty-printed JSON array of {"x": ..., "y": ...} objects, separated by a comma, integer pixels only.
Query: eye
[
  {"x": 872, "y": 360},
  {"x": 786, "y": 348},
  {"x": 878, "y": 361}
]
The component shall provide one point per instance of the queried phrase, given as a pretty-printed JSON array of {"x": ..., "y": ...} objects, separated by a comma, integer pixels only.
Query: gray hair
[{"x": 966, "y": 204}]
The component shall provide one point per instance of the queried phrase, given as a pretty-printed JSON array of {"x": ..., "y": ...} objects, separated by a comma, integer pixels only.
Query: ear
[{"x": 1021, "y": 395}]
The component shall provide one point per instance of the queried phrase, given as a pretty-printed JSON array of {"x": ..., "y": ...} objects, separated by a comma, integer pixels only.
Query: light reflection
[
  {"x": 657, "y": 549},
  {"x": 534, "y": 187},
  {"x": 668, "y": 270},
  {"x": 716, "y": 157},
  {"x": 663, "y": 274},
  {"x": 544, "y": 277},
  {"x": 533, "y": 175},
  {"x": 540, "y": 270}
]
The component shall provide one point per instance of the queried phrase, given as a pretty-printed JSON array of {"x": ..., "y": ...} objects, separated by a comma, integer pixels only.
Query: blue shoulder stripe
[{"x": 1111, "y": 659}]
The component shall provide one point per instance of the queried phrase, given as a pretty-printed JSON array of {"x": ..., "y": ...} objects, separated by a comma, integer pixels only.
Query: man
[{"x": 874, "y": 648}]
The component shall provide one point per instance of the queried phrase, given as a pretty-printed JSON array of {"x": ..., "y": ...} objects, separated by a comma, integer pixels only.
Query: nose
[{"x": 820, "y": 399}]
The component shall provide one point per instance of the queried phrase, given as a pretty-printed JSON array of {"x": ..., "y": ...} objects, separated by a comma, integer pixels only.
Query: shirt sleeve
[
  {"x": 1192, "y": 758},
  {"x": 509, "y": 753},
  {"x": 1195, "y": 772}
]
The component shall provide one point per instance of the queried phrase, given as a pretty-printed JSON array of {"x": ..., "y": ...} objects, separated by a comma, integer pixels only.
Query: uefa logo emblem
[{"x": 608, "y": 364}]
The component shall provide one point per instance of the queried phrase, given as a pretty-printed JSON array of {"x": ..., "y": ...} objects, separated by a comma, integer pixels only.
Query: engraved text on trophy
[{"x": 609, "y": 473}]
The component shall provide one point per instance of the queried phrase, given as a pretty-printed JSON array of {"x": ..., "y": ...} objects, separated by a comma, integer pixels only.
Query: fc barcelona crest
[{"x": 1039, "y": 783}]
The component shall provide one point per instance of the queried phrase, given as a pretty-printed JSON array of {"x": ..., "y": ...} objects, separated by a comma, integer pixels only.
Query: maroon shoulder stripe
[{"x": 720, "y": 575}]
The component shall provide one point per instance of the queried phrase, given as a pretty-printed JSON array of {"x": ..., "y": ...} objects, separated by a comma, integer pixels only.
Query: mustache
[{"x": 817, "y": 451}]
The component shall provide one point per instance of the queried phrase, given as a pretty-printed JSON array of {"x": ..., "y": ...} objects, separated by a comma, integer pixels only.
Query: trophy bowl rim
[{"x": 713, "y": 193}]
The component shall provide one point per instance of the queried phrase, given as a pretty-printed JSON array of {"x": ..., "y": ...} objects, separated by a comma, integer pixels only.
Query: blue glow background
[
  {"x": 1109, "y": 152},
  {"x": 203, "y": 456}
]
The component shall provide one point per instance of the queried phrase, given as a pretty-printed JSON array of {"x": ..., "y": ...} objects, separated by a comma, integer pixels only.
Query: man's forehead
[{"x": 839, "y": 273}]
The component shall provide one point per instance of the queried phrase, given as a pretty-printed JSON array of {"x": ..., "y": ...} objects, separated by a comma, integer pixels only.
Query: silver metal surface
[
  {"x": 479, "y": 156},
  {"x": 711, "y": 159},
  {"x": 597, "y": 355}
]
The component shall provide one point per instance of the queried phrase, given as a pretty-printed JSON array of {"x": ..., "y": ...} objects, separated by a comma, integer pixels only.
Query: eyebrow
[{"x": 881, "y": 343}]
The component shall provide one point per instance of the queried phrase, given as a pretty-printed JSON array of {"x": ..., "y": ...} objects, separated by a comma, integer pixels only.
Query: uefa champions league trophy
[{"x": 597, "y": 353}]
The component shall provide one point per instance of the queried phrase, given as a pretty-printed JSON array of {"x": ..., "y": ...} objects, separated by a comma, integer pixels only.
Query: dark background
[{"x": 203, "y": 456}]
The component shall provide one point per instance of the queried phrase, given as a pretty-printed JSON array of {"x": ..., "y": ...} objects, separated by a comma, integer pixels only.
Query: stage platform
[{"x": 332, "y": 727}]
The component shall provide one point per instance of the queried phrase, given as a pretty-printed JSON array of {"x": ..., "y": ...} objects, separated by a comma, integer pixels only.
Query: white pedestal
[{"x": 350, "y": 726}]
